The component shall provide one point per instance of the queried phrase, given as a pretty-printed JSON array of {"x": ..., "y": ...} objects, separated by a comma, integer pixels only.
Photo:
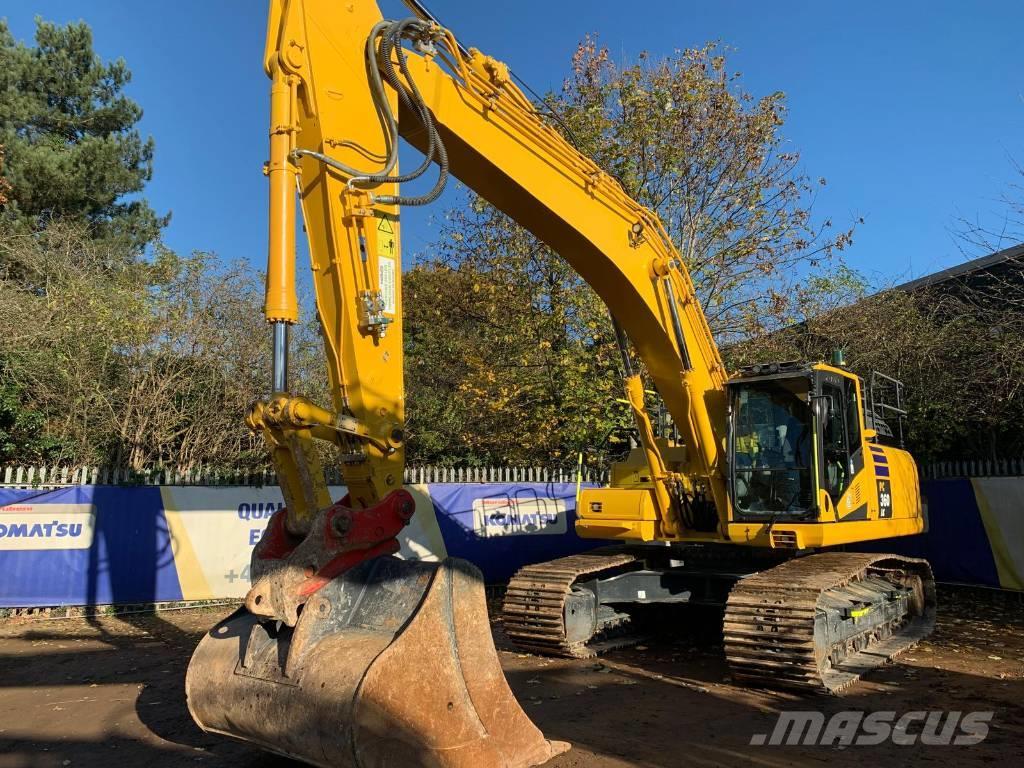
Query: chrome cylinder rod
[
  {"x": 280, "y": 364},
  {"x": 677, "y": 325}
]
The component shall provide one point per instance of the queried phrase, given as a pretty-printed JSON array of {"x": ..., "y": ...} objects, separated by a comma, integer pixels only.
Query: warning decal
[
  {"x": 386, "y": 276},
  {"x": 387, "y": 254},
  {"x": 387, "y": 244}
]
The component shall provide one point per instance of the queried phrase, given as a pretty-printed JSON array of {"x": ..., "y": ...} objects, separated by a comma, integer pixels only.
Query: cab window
[
  {"x": 852, "y": 417},
  {"x": 772, "y": 443}
]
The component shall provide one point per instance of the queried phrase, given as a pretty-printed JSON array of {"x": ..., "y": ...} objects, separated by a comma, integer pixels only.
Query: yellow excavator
[{"x": 344, "y": 654}]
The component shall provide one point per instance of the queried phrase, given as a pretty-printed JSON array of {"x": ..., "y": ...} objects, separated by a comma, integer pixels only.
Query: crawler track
[
  {"x": 533, "y": 611},
  {"x": 820, "y": 622}
]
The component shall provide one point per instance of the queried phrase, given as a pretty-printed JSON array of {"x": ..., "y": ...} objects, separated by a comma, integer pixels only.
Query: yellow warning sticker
[
  {"x": 387, "y": 240},
  {"x": 387, "y": 259}
]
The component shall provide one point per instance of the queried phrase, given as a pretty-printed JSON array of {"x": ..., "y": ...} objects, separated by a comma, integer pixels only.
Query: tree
[
  {"x": 982, "y": 234},
  {"x": 71, "y": 155},
  {"x": 5, "y": 187},
  {"x": 73, "y": 149},
  {"x": 511, "y": 356},
  {"x": 146, "y": 364},
  {"x": 685, "y": 139},
  {"x": 23, "y": 436}
]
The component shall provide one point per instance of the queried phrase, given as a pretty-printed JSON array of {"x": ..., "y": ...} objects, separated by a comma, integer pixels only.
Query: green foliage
[
  {"x": 77, "y": 296},
  {"x": 509, "y": 357},
  {"x": 72, "y": 148},
  {"x": 140, "y": 364},
  {"x": 23, "y": 438},
  {"x": 5, "y": 187}
]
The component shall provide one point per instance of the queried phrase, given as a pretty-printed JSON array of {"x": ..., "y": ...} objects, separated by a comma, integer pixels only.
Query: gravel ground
[{"x": 109, "y": 691}]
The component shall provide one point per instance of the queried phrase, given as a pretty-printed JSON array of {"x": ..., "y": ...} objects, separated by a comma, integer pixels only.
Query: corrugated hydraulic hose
[{"x": 413, "y": 100}]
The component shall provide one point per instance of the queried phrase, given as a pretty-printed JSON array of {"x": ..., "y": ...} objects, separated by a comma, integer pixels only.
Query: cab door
[{"x": 840, "y": 452}]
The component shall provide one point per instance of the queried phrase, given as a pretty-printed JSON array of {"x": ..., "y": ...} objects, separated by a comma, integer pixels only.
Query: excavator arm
[
  {"x": 334, "y": 96},
  {"x": 343, "y": 654}
]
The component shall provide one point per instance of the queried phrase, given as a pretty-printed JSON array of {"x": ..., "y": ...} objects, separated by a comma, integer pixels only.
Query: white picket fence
[{"x": 65, "y": 476}]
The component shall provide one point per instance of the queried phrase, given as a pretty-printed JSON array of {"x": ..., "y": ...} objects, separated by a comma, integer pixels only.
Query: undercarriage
[{"x": 815, "y": 622}]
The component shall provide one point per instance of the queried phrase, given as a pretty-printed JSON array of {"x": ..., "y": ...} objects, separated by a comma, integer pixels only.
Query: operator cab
[{"x": 794, "y": 430}]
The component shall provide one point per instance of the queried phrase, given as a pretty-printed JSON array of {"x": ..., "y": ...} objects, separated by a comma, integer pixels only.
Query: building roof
[{"x": 999, "y": 263}]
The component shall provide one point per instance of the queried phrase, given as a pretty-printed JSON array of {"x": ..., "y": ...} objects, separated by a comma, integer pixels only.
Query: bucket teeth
[{"x": 391, "y": 664}]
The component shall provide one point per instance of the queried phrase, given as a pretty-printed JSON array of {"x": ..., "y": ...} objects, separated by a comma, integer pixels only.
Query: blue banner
[
  {"x": 502, "y": 527},
  {"x": 975, "y": 532},
  {"x": 97, "y": 545},
  {"x": 87, "y": 545},
  {"x": 90, "y": 545}
]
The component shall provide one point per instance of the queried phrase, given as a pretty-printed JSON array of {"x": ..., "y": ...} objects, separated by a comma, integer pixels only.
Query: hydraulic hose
[
  {"x": 378, "y": 59},
  {"x": 413, "y": 100},
  {"x": 387, "y": 118}
]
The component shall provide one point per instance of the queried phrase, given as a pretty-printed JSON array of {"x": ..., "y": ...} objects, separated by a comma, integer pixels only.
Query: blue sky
[{"x": 910, "y": 109}]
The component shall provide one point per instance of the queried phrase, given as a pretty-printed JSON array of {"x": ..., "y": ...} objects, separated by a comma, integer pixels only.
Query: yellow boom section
[
  {"x": 498, "y": 146},
  {"x": 320, "y": 100}
]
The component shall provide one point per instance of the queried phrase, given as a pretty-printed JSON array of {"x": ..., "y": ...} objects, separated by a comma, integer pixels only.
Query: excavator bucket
[{"x": 391, "y": 664}]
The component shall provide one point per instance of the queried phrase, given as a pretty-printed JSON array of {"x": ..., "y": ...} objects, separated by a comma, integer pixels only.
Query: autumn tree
[
  {"x": 510, "y": 354},
  {"x": 147, "y": 364}
]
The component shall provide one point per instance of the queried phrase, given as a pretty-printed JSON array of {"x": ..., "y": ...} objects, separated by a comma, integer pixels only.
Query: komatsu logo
[
  {"x": 513, "y": 516},
  {"x": 46, "y": 526},
  {"x": 853, "y": 728}
]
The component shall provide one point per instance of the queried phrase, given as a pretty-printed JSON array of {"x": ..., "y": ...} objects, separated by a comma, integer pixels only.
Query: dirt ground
[{"x": 109, "y": 691}]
